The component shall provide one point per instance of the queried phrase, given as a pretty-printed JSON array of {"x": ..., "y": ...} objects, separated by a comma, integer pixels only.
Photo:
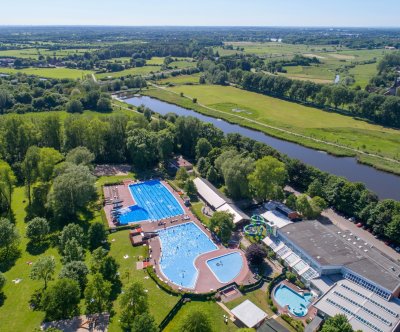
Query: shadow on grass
[
  {"x": 3, "y": 298},
  {"x": 8, "y": 259},
  {"x": 37, "y": 248}
]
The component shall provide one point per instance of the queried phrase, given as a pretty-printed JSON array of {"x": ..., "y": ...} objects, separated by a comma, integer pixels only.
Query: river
[{"x": 385, "y": 185}]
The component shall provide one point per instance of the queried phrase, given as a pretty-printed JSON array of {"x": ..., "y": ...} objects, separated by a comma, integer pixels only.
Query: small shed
[{"x": 249, "y": 314}]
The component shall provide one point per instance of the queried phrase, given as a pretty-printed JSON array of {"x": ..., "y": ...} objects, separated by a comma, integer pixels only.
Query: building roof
[
  {"x": 276, "y": 219},
  {"x": 365, "y": 310},
  {"x": 249, "y": 314},
  {"x": 330, "y": 246},
  {"x": 271, "y": 325},
  {"x": 217, "y": 200},
  {"x": 209, "y": 193},
  {"x": 238, "y": 215}
]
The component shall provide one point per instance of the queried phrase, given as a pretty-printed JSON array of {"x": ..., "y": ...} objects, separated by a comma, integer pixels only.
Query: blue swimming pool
[
  {"x": 227, "y": 267},
  {"x": 297, "y": 303},
  {"x": 153, "y": 202},
  {"x": 180, "y": 246}
]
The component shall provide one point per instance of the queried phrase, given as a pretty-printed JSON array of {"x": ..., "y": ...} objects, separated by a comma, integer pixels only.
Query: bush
[
  {"x": 296, "y": 324},
  {"x": 274, "y": 309},
  {"x": 291, "y": 277}
]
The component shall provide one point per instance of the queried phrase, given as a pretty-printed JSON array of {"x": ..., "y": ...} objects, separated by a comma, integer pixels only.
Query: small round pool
[
  {"x": 226, "y": 267},
  {"x": 297, "y": 303}
]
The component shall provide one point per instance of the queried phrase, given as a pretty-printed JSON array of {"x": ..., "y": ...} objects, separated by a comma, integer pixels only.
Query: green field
[
  {"x": 146, "y": 70},
  {"x": 180, "y": 64},
  {"x": 33, "y": 53},
  {"x": 311, "y": 122},
  {"x": 155, "y": 61},
  {"x": 181, "y": 79},
  {"x": 58, "y": 73}
]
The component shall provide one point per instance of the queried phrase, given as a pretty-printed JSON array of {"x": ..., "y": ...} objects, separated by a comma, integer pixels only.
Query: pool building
[{"x": 350, "y": 276}]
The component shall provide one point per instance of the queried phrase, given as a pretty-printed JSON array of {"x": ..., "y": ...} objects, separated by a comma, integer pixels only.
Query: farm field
[
  {"x": 57, "y": 73},
  {"x": 181, "y": 79},
  {"x": 33, "y": 53},
  {"x": 334, "y": 60},
  {"x": 131, "y": 71},
  {"x": 308, "y": 121}
]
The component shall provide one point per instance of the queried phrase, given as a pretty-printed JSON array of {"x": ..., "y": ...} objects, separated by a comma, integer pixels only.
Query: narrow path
[{"x": 283, "y": 130}]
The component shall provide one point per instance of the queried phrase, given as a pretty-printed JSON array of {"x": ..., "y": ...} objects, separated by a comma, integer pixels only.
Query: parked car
[{"x": 359, "y": 225}]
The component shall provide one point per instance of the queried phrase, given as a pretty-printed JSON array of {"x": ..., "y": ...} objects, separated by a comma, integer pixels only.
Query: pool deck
[
  {"x": 206, "y": 280},
  {"x": 312, "y": 311}
]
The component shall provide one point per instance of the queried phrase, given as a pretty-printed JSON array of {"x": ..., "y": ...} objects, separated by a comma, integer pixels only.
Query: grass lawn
[
  {"x": 182, "y": 64},
  {"x": 363, "y": 74},
  {"x": 211, "y": 309},
  {"x": 15, "y": 312},
  {"x": 156, "y": 61},
  {"x": 196, "y": 207},
  {"x": 181, "y": 79},
  {"x": 312, "y": 122},
  {"x": 131, "y": 71},
  {"x": 58, "y": 73}
]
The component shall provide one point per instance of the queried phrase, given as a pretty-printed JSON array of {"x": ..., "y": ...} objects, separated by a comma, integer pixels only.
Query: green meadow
[{"x": 58, "y": 73}]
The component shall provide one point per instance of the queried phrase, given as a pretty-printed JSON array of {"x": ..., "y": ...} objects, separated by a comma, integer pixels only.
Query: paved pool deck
[{"x": 206, "y": 280}]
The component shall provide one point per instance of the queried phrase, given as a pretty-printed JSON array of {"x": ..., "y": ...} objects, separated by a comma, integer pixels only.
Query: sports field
[
  {"x": 58, "y": 72},
  {"x": 308, "y": 121}
]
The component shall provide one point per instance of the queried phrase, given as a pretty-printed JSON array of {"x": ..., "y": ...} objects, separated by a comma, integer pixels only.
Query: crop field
[
  {"x": 334, "y": 60},
  {"x": 58, "y": 73},
  {"x": 308, "y": 121},
  {"x": 182, "y": 64},
  {"x": 155, "y": 61},
  {"x": 33, "y": 53}
]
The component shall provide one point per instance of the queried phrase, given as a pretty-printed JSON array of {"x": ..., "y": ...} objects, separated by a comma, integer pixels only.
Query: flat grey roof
[
  {"x": 330, "y": 246},
  {"x": 365, "y": 310},
  {"x": 249, "y": 314}
]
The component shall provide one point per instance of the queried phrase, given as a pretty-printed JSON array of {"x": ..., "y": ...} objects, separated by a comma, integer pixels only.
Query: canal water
[{"x": 385, "y": 185}]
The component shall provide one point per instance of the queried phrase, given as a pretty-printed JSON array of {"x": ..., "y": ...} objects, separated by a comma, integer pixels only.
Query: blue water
[
  {"x": 181, "y": 245},
  {"x": 153, "y": 202},
  {"x": 227, "y": 267},
  {"x": 298, "y": 304}
]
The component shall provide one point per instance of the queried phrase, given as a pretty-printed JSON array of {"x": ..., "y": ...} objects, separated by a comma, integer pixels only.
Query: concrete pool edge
[
  {"x": 224, "y": 255},
  {"x": 194, "y": 260}
]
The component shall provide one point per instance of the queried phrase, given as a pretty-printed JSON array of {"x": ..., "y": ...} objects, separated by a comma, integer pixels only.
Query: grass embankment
[
  {"x": 58, "y": 73},
  {"x": 337, "y": 134}
]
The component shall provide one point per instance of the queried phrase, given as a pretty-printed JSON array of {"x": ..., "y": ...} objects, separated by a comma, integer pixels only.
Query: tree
[
  {"x": 8, "y": 235},
  {"x": 203, "y": 166},
  {"x": 212, "y": 175},
  {"x": 61, "y": 299},
  {"x": 98, "y": 256},
  {"x": 337, "y": 323},
  {"x": 133, "y": 302},
  {"x": 203, "y": 148},
  {"x": 97, "y": 235},
  {"x": 80, "y": 156},
  {"x": 315, "y": 188},
  {"x": 75, "y": 270},
  {"x": 7, "y": 182},
  {"x": 181, "y": 176},
  {"x": 109, "y": 269},
  {"x": 392, "y": 230},
  {"x": 97, "y": 295},
  {"x": 144, "y": 323},
  {"x": 30, "y": 169},
  {"x": 72, "y": 190},
  {"x": 73, "y": 251},
  {"x": 104, "y": 105},
  {"x": 190, "y": 188},
  {"x": 304, "y": 207},
  {"x": 221, "y": 223},
  {"x": 69, "y": 232},
  {"x": 141, "y": 145},
  {"x": 291, "y": 201},
  {"x": 255, "y": 254},
  {"x": 74, "y": 106},
  {"x": 269, "y": 175},
  {"x": 37, "y": 229},
  {"x": 196, "y": 321},
  {"x": 48, "y": 159},
  {"x": 43, "y": 269},
  {"x": 318, "y": 204}
]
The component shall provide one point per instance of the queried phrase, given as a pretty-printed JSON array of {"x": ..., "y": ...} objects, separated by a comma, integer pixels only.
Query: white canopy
[{"x": 249, "y": 314}]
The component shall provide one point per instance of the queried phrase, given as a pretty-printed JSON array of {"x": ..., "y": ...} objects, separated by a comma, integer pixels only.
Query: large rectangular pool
[
  {"x": 153, "y": 202},
  {"x": 180, "y": 246}
]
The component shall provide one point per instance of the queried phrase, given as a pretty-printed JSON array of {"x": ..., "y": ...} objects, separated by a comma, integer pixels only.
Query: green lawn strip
[
  {"x": 211, "y": 309},
  {"x": 196, "y": 208},
  {"x": 292, "y": 117},
  {"x": 58, "y": 73},
  {"x": 160, "y": 302}
]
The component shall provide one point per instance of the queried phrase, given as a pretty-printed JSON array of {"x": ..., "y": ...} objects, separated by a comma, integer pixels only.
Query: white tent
[{"x": 249, "y": 314}]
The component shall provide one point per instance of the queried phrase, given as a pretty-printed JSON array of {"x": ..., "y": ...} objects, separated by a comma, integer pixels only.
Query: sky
[{"x": 349, "y": 13}]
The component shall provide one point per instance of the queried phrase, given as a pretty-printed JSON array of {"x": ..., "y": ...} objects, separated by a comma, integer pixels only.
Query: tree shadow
[
  {"x": 8, "y": 259},
  {"x": 116, "y": 289},
  {"x": 3, "y": 298},
  {"x": 37, "y": 248}
]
